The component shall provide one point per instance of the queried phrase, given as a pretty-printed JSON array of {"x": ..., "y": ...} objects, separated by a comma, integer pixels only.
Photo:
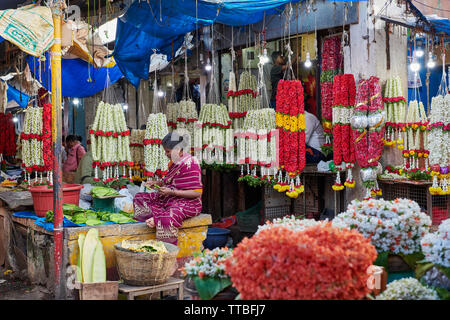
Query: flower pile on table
[
  {"x": 438, "y": 144},
  {"x": 7, "y": 136},
  {"x": 395, "y": 106},
  {"x": 394, "y": 227},
  {"x": 435, "y": 269},
  {"x": 416, "y": 130},
  {"x": 156, "y": 162},
  {"x": 213, "y": 134},
  {"x": 290, "y": 122},
  {"x": 256, "y": 145},
  {"x": 207, "y": 270},
  {"x": 332, "y": 64},
  {"x": 137, "y": 153},
  {"x": 310, "y": 264},
  {"x": 36, "y": 139},
  {"x": 368, "y": 131},
  {"x": 344, "y": 92},
  {"x": 110, "y": 143},
  {"x": 242, "y": 100}
]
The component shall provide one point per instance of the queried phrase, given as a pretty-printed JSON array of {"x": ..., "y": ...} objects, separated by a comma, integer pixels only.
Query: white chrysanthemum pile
[
  {"x": 110, "y": 141},
  {"x": 156, "y": 162},
  {"x": 208, "y": 264},
  {"x": 393, "y": 226},
  {"x": 290, "y": 222},
  {"x": 407, "y": 289},
  {"x": 436, "y": 246}
]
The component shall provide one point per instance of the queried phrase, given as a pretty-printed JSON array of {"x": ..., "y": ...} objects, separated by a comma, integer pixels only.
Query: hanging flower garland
[
  {"x": 137, "y": 153},
  {"x": 246, "y": 98},
  {"x": 415, "y": 129},
  {"x": 156, "y": 162},
  {"x": 186, "y": 117},
  {"x": 368, "y": 131},
  {"x": 395, "y": 106},
  {"x": 214, "y": 122},
  {"x": 110, "y": 143},
  {"x": 438, "y": 145},
  {"x": 290, "y": 121},
  {"x": 331, "y": 65},
  {"x": 344, "y": 92},
  {"x": 172, "y": 115}
]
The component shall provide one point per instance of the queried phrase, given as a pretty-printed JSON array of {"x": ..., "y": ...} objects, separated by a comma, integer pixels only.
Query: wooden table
[{"x": 132, "y": 291}]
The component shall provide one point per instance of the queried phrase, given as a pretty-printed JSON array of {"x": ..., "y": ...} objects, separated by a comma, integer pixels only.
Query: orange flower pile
[{"x": 319, "y": 263}]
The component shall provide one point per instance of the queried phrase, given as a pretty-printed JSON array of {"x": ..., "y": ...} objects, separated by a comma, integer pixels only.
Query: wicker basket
[{"x": 143, "y": 268}]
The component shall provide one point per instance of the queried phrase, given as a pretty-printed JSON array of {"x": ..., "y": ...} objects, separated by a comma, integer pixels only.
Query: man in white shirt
[{"x": 314, "y": 139}]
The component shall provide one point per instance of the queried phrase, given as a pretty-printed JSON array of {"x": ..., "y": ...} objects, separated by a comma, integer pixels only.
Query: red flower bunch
[
  {"x": 151, "y": 141},
  {"x": 7, "y": 135},
  {"x": 234, "y": 115},
  {"x": 318, "y": 263},
  {"x": 47, "y": 152},
  {"x": 238, "y": 93},
  {"x": 394, "y": 100}
]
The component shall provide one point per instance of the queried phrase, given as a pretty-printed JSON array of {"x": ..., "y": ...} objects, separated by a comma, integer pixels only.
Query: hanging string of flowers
[
  {"x": 137, "y": 153},
  {"x": 7, "y": 136},
  {"x": 290, "y": 122},
  {"x": 331, "y": 65},
  {"x": 172, "y": 115},
  {"x": 395, "y": 106},
  {"x": 344, "y": 92},
  {"x": 438, "y": 144},
  {"x": 415, "y": 127},
  {"x": 156, "y": 162},
  {"x": 368, "y": 132},
  {"x": 186, "y": 117},
  {"x": 246, "y": 98},
  {"x": 213, "y": 120},
  {"x": 110, "y": 143}
]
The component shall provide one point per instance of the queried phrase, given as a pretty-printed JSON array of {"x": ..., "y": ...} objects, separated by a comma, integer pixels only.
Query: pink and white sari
[{"x": 169, "y": 212}]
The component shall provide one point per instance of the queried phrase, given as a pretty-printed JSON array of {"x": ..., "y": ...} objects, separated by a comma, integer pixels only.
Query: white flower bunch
[
  {"x": 395, "y": 226},
  {"x": 172, "y": 114},
  {"x": 290, "y": 222},
  {"x": 208, "y": 264},
  {"x": 154, "y": 156},
  {"x": 137, "y": 152},
  {"x": 437, "y": 140},
  {"x": 436, "y": 246},
  {"x": 32, "y": 148},
  {"x": 407, "y": 289}
]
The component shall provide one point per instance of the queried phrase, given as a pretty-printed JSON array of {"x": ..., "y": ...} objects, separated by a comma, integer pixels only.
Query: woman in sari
[{"x": 178, "y": 196}]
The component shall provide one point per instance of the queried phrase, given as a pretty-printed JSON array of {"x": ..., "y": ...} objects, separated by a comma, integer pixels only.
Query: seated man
[
  {"x": 314, "y": 139},
  {"x": 85, "y": 172}
]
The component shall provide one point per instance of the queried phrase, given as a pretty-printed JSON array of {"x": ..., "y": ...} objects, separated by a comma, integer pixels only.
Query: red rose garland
[
  {"x": 47, "y": 136},
  {"x": 344, "y": 92},
  {"x": 290, "y": 111},
  {"x": 7, "y": 136}
]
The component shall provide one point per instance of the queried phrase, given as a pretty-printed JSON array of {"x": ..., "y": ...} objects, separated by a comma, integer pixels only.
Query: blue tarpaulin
[
  {"x": 74, "y": 76},
  {"x": 157, "y": 24},
  {"x": 18, "y": 96}
]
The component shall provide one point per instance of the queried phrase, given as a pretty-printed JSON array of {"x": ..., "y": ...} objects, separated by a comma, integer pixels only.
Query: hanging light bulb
[
  {"x": 208, "y": 66},
  {"x": 160, "y": 93},
  {"x": 125, "y": 107},
  {"x": 419, "y": 52},
  {"x": 15, "y": 119},
  {"x": 414, "y": 66},
  {"x": 76, "y": 101},
  {"x": 431, "y": 63},
  {"x": 308, "y": 63},
  {"x": 264, "y": 58}
]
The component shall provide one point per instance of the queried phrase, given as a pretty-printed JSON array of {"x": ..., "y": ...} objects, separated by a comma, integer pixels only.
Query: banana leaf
[
  {"x": 382, "y": 259},
  {"x": 412, "y": 259},
  {"x": 208, "y": 287}
]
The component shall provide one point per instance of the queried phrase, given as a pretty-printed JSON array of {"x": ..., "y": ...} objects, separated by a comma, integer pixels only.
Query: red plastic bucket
[{"x": 43, "y": 197}]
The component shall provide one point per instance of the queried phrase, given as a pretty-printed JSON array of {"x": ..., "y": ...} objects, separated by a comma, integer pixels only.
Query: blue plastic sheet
[
  {"x": 159, "y": 24},
  {"x": 49, "y": 225},
  {"x": 25, "y": 214},
  {"x": 18, "y": 96},
  {"x": 74, "y": 76}
]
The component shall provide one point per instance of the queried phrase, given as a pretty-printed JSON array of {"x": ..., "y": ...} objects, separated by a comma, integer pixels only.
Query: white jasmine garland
[
  {"x": 407, "y": 289},
  {"x": 154, "y": 155}
]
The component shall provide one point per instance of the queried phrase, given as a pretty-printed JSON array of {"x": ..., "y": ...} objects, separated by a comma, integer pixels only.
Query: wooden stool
[{"x": 133, "y": 291}]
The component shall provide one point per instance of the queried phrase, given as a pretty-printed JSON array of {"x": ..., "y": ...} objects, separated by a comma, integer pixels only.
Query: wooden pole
[{"x": 55, "y": 53}]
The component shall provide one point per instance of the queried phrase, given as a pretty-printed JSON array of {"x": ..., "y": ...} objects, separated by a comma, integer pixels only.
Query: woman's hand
[
  {"x": 150, "y": 222},
  {"x": 150, "y": 183},
  {"x": 166, "y": 191}
]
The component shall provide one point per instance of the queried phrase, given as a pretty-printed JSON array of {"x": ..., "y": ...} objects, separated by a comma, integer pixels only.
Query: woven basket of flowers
[{"x": 145, "y": 263}]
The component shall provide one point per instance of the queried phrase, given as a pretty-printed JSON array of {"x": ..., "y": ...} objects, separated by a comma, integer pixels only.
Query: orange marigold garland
[
  {"x": 290, "y": 122},
  {"x": 319, "y": 263}
]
